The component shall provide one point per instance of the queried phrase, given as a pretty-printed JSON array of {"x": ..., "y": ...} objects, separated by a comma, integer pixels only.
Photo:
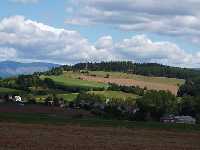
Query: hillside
[
  {"x": 97, "y": 79},
  {"x": 76, "y": 87},
  {"x": 11, "y": 68}
]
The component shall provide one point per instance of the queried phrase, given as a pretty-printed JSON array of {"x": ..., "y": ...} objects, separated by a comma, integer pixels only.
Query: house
[
  {"x": 168, "y": 119},
  {"x": 10, "y": 98},
  {"x": 50, "y": 103},
  {"x": 178, "y": 119},
  {"x": 185, "y": 119},
  {"x": 17, "y": 99}
]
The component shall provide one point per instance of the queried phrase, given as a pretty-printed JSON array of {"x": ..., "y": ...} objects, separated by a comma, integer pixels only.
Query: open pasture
[
  {"x": 72, "y": 80},
  {"x": 8, "y": 91}
]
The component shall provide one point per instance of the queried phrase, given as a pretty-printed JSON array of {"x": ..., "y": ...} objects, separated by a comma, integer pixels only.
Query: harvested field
[
  {"x": 132, "y": 82},
  {"x": 18, "y": 136}
]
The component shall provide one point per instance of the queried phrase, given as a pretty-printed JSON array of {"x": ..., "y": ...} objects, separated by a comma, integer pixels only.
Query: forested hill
[{"x": 147, "y": 69}]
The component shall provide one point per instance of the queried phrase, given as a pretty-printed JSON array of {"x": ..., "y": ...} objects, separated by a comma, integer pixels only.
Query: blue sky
[{"x": 145, "y": 30}]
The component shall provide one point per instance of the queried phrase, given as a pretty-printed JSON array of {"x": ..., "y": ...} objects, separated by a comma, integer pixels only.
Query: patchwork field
[
  {"x": 132, "y": 82},
  {"x": 18, "y": 136},
  {"x": 163, "y": 80},
  {"x": 97, "y": 79}
]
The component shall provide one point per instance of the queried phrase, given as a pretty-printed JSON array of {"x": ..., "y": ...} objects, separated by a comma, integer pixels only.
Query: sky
[{"x": 72, "y": 31}]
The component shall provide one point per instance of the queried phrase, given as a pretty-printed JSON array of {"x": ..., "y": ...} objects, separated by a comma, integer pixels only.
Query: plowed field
[{"x": 17, "y": 136}]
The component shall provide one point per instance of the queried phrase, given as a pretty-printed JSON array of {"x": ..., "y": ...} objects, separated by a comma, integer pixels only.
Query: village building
[
  {"x": 17, "y": 99},
  {"x": 178, "y": 119}
]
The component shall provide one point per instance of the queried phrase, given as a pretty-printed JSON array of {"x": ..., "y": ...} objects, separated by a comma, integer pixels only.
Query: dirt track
[
  {"x": 16, "y": 136},
  {"x": 131, "y": 82}
]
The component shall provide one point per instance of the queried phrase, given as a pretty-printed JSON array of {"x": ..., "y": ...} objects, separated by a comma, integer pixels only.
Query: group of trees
[
  {"x": 121, "y": 66},
  {"x": 190, "y": 93},
  {"x": 108, "y": 108},
  {"x": 9, "y": 83},
  {"x": 54, "y": 100},
  {"x": 54, "y": 71},
  {"x": 147, "y": 69},
  {"x": 191, "y": 88},
  {"x": 155, "y": 104},
  {"x": 190, "y": 105},
  {"x": 151, "y": 106},
  {"x": 24, "y": 82},
  {"x": 128, "y": 89}
]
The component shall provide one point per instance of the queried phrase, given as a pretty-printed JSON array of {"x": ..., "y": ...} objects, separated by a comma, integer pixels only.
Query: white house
[{"x": 18, "y": 99}]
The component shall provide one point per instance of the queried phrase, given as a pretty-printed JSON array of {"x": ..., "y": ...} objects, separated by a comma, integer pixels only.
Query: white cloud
[
  {"x": 170, "y": 17},
  {"x": 6, "y": 53},
  {"x": 143, "y": 49},
  {"x": 105, "y": 42},
  {"x": 34, "y": 40},
  {"x": 24, "y": 39}
]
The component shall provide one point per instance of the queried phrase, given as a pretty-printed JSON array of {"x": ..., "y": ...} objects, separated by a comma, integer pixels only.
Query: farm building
[
  {"x": 178, "y": 119},
  {"x": 185, "y": 119},
  {"x": 15, "y": 98}
]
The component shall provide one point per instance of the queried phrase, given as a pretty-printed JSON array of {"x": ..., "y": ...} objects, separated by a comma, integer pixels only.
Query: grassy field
[
  {"x": 40, "y": 98},
  {"x": 164, "y": 80},
  {"x": 9, "y": 91},
  {"x": 70, "y": 79},
  {"x": 114, "y": 94},
  {"x": 68, "y": 97}
]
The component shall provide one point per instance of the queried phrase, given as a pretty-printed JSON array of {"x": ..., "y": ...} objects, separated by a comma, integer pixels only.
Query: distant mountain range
[{"x": 11, "y": 68}]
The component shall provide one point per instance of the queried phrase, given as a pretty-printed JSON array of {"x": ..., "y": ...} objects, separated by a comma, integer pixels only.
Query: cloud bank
[
  {"x": 24, "y": 39},
  {"x": 169, "y": 17}
]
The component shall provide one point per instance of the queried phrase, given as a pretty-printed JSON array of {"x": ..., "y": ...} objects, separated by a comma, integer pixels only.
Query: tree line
[{"x": 147, "y": 69}]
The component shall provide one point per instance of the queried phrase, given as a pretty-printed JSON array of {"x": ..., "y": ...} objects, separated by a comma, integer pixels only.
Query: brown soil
[
  {"x": 44, "y": 110},
  {"x": 16, "y": 136},
  {"x": 131, "y": 82}
]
